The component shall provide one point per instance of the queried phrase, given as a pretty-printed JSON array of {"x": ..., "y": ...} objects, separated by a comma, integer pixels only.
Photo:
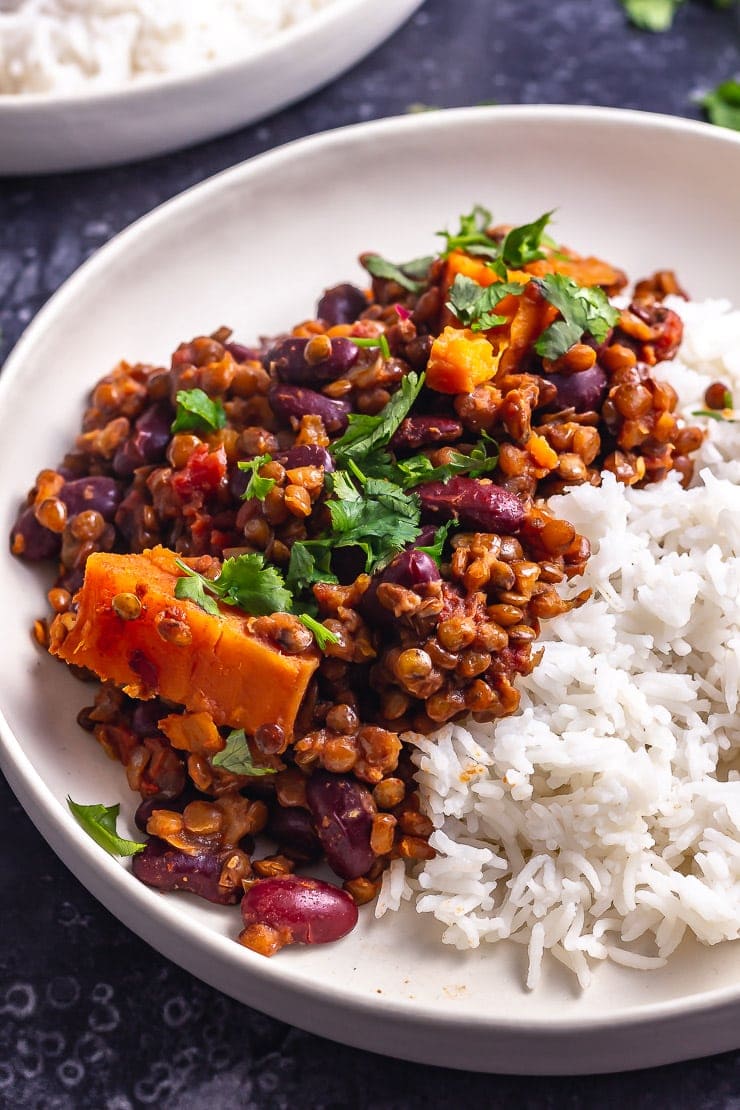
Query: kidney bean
[
  {"x": 410, "y": 569},
  {"x": 475, "y": 504},
  {"x": 292, "y": 828},
  {"x": 308, "y": 454},
  {"x": 341, "y": 304},
  {"x": 342, "y": 811},
  {"x": 148, "y": 442},
  {"x": 97, "y": 492},
  {"x": 30, "y": 540},
  {"x": 294, "y": 401},
  {"x": 145, "y": 717},
  {"x": 584, "y": 391},
  {"x": 167, "y": 868},
  {"x": 288, "y": 359},
  {"x": 420, "y": 431},
  {"x": 146, "y": 808},
  {"x": 304, "y": 911},
  {"x": 240, "y": 353}
]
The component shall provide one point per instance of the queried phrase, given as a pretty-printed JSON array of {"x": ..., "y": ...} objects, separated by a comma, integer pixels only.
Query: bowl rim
[
  {"x": 284, "y": 40},
  {"x": 108, "y": 872}
]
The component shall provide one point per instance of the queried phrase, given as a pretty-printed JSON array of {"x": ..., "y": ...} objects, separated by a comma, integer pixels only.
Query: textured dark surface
[{"x": 89, "y": 1016}]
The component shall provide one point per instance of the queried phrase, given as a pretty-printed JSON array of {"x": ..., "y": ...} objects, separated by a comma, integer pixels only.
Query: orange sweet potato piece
[
  {"x": 459, "y": 361},
  {"x": 208, "y": 663}
]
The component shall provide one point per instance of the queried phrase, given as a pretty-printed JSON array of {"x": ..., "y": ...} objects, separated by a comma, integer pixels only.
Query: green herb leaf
[
  {"x": 524, "y": 244},
  {"x": 244, "y": 581},
  {"x": 192, "y": 588},
  {"x": 379, "y": 517},
  {"x": 417, "y": 469},
  {"x": 257, "y": 487},
  {"x": 409, "y": 275},
  {"x": 373, "y": 341},
  {"x": 321, "y": 634},
  {"x": 440, "y": 538},
  {"x": 471, "y": 235},
  {"x": 722, "y": 105},
  {"x": 197, "y": 412},
  {"x": 724, "y": 416},
  {"x": 99, "y": 822},
  {"x": 651, "y": 15},
  {"x": 237, "y": 758},
  {"x": 310, "y": 562},
  {"x": 585, "y": 309},
  {"x": 473, "y": 303},
  {"x": 366, "y": 434}
]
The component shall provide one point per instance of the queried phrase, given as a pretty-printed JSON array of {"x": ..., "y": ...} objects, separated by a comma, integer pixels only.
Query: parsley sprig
[
  {"x": 197, "y": 412},
  {"x": 99, "y": 822}
]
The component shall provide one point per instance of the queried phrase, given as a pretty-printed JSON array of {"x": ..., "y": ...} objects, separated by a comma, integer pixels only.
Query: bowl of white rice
[
  {"x": 582, "y": 912},
  {"x": 94, "y": 82}
]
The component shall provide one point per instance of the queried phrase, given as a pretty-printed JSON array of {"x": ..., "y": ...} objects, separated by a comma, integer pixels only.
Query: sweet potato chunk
[
  {"x": 459, "y": 361},
  {"x": 133, "y": 631}
]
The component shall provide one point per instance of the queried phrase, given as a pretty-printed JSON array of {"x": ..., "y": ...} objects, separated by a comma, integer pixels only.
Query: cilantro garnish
[
  {"x": 519, "y": 246},
  {"x": 321, "y": 634},
  {"x": 375, "y": 515},
  {"x": 256, "y": 487},
  {"x": 310, "y": 562},
  {"x": 472, "y": 303},
  {"x": 585, "y": 309},
  {"x": 471, "y": 235},
  {"x": 651, "y": 15},
  {"x": 197, "y": 412},
  {"x": 724, "y": 416},
  {"x": 419, "y": 468},
  {"x": 236, "y": 757},
  {"x": 523, "y": 244},
  {"x": 440, "y": 539},
  {"x": 373, "y": 341},
  {"x": 409, "y": 275},
  {"x": 99, "y": 822},
  {"x": 722, "y": 105},
  {"x": 366, "y": 434},
  {"x": 244, "y": 581}
]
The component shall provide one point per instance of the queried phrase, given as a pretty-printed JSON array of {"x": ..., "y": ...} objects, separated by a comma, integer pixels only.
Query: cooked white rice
[
  {"x": 62, "y": 46},
  {"x": 603, "y": 820}
]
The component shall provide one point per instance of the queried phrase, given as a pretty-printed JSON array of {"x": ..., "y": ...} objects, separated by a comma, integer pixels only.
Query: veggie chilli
[{"x": 281, "y": 558}]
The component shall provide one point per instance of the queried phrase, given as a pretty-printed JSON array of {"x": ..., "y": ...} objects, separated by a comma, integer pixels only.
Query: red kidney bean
[
  {"x": 584, "y": 391},
  {"x": 475, "y": 504},
  {"x": 240, "y": 353},
  {"x": 98, "y": 493},
  {"x": 146, "y": 808},
  {"x": 294, "y": 401},
  {"x": 167, "y": 868},
  {"x": 420, "y": 431},
  {"x": 409, "y": 569},
  {"x": 292, "y": 828},
  {"x": 342, "y": 811},
  {"x": 288, "y": 359},
  {"x": 145, "y": 716},
  {"x": 309, "y": 454},
  {"x": 304, "y": 911},
  {"x": 31, "y": 540},
  {"x": 148, "y": 441},
  {"x": 341, "y": 304}
]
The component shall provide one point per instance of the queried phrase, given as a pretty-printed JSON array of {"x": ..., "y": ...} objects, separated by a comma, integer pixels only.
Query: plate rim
[{"x": 19, "y": 769}]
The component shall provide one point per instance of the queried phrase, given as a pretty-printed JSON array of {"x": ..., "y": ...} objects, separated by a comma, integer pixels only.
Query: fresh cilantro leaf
[
  {"x": 419, "y": 468},
  {"x": 99, "y": 822},
  {"x": 440, "y": 538},
  {"x": 192, "y": 588},
  {"x": 373, "y": 341},
  {"x": 651, "y": 15},
  {"x": 379, "y": 517},
  {"x": 257, "y": 487},
  {"x": 366, "y": 434},
  {"x": 473, "y": 303},
  {"x": 471, "y": 236},
  {"x": 236, "y": 757},
  {"x": 524, "y": 244},
  {"x": 409, "y": 275},
  {"x": 244, "y": 581},
  {"x": 310, "y": 562},
  {"x": 321, "y": 634},
  {"x": 585, "y": 309},
  {"x": 722, "y": 105},
  {"x": 197, "y": 412}
]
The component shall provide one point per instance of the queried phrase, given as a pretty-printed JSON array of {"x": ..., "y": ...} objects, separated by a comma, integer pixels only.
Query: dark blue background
[{"x": 90, "y": 1016}]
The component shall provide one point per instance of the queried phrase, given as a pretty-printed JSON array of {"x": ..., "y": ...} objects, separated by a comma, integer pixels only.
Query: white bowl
[
  {"x": 254, "y": 247},
  {"x": 42, "y": 133}
]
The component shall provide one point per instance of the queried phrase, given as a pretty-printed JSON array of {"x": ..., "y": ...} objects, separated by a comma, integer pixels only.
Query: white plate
[
  {"x": 254, "y": 247},
  {"x": 42, "y": 133}
]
